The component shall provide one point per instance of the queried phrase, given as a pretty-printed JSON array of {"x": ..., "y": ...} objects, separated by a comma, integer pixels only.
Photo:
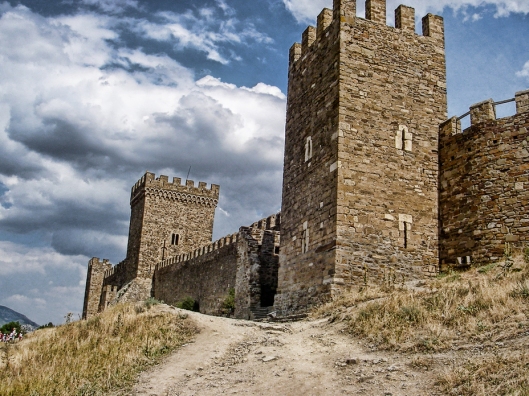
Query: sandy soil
[{"x": 299, "y": 358}]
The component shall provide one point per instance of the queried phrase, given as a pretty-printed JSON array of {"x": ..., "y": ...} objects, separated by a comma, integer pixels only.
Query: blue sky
[{"x": 95, "y": 92}]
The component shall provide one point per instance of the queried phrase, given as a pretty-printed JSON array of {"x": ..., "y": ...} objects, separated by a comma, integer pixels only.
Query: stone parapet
[
  {"x": 522, "y": 102},
  {"x": 200, "y": 195},
  {"x": 376, "y": 11},
  {"x": 405, "y": 18},
  {"x": 482, "y": 112},
  {"x": 201, "y": 251}
]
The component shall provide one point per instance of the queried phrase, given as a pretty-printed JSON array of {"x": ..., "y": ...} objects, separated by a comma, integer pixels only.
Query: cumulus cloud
[
  {"x": 82, "y": 118},
  {"x": 306, "y": 10}
]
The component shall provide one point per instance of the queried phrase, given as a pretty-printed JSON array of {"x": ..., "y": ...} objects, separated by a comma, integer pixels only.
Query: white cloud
[
  {"x": 76, "y": 133},
  {"x": 81, "y": 119},
  {"x": 207, "y": 30},
  {"x": 525, "y": 71},
  {"x": 306, "y": 10},
  {"x": 16, "y": 258},
  {"x": 113, "y": 6}
]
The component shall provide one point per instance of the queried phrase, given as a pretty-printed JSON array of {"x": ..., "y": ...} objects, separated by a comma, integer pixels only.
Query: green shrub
[
  {"x": 189, "y": 304},
  {"x": 228, "y": 305},
  {"x": 486, "y": 268},
  {"x": 8, "y": 328},
  {"x": 151, "y": 301},
  {"x": 45, "y": 326}
]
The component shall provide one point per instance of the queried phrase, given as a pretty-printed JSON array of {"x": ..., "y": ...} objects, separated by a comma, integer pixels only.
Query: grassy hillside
[
  {"x": 483, "y": 307},
  {"x": 93, "y": 357}
]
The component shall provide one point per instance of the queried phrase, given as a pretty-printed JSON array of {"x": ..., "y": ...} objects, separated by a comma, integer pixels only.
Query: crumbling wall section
[
  {"x": 257, "y": 268},
  {"x": 94, "y": 283}
]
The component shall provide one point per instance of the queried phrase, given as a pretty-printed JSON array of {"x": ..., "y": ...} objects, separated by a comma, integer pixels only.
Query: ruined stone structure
[{"x": 376, "y": 183}]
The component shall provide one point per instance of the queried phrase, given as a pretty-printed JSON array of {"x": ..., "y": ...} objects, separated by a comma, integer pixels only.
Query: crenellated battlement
[
  {"x": 344, "y": 11},
  {"x": 161, "y": 186},
  {"x": 210, "y": 248},
  {"x": 118, "y": 268},
  {"x": 95, "y": 261},
  {"x": 270, "y": 223},
  {"x": 484, "y": 183},
  {"x": 484, "y": 112}
]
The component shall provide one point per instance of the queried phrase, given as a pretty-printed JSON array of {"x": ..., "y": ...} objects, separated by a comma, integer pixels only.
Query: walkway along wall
[{"x": 484, "y": 184}]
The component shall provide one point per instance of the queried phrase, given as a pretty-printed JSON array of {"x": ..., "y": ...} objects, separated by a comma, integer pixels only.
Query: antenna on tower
[{"x": 188, "y": 172}]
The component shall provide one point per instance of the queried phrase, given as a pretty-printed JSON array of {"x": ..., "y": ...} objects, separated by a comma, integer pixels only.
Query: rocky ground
[{"x": 298, "y": 358}]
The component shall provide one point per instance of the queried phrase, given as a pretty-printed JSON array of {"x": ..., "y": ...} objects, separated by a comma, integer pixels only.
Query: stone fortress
[{"x": 377, "y": 183}]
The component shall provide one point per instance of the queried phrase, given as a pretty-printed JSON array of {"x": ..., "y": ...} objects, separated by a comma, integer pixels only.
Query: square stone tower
[
  {"x": 167, "y": 219},
  {"x": 360, "y": 186}
]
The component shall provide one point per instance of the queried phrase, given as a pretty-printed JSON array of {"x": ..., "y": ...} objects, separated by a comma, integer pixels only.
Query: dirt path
[{"x": 300, "y": 358}]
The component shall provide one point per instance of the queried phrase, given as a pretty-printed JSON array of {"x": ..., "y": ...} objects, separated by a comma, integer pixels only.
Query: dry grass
[
  {"x": 500, "y": 374},
  {"x": 483, "y": 304},
  {"x": 93, "y": 357}
]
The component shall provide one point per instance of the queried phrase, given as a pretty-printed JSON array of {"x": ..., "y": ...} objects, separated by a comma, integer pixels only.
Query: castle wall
[
  {"x": 94, "y": 282},
  {"x": 361, "y": 168},
  {"x": 167, "y": 219},
  {"x": 484, "y": 184},
  {"x": 246, "y": 261},
  {"x": 206, "y": 275}
]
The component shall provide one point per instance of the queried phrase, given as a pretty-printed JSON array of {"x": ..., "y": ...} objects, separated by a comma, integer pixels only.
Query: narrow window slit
[{"x": 405, "y": 235}]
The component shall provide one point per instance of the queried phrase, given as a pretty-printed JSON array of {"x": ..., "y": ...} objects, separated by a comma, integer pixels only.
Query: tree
[{"x": 8, "y": 328}]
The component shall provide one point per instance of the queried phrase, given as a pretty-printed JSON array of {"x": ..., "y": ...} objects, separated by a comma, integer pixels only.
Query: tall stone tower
[
  {"x": 167, "y": 219},
  {"x": 361, "y": 166}
]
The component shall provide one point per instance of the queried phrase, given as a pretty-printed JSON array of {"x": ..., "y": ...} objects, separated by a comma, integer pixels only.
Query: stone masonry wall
[
  {"x": 484, "y": 185},
  {"x": 169, "y": 208},
  {"x": 94, "y": 283},
  {"x": 308, "y": 229},
  {"x": 206, "y": 275},
  {"x": 360, "y": 169},
  {"x": 392, "y": 100},
  {"x": 160, "y": 210},
  {"x": 257, "y": 267},
  {"x": 246, "y": 261}
]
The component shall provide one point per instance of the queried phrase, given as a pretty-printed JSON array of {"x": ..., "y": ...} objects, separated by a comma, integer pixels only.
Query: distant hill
[{"x": 8, "y": 315}]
